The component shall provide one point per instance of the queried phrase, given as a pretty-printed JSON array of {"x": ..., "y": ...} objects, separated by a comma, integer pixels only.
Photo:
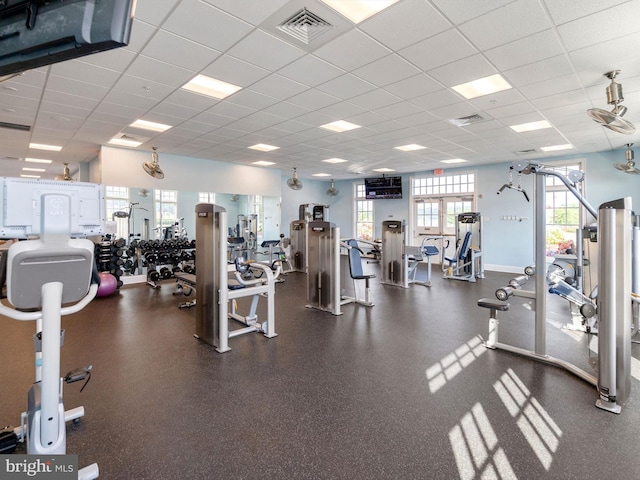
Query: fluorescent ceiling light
[
  {"x": 482, "y": 86},
  {"x": 321, "y": 175},
  {"x": 263, "y": 147},
  {"x": 340, "y": 126},
  {"x": 263, "y": 163},
  {"x": 210, "y": 87},
  {"x": 153, "y": 126},
  {"x": 29, "y": 169},
  {"x": 453, "y": 160},
  {"x": 29, "y": 176},
  {"x": 528, "y": 127},
  {"x": 383, "y": 170},
  {"x": 555, "y": 148},
  {"x": 334, "y": 160},
  {"x": 410, "y": 148},
  {"x": 124, "y": 142},
  {"x": 359, "y": 10},
  {"x": 37, "y": 160},
  {"x": 42, "y": 146}
]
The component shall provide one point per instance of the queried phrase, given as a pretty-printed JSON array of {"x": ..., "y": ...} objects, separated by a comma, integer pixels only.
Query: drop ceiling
[{"x": 392, "y": 74}]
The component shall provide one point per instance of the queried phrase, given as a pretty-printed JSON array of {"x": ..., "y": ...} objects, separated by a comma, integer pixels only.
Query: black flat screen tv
[
  {"x": 383, "y": 187},
  {"x": 35, "y": 33}
]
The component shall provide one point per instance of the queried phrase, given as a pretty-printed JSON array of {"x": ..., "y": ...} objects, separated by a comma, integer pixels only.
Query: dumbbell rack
[{"x": 164, "y": 258}]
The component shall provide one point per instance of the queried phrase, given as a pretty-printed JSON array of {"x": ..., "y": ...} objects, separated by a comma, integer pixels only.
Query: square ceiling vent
[
  {"x": 468, "y": 120},
  {"x": 306, "y": 24}
]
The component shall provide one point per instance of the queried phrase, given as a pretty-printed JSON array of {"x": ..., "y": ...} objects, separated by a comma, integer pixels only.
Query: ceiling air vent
[
  {"x": 305, "y": 26},
  {"x": 526, "y": 152},
  {"x": 464, "y": 121},
  {"x": 15, "y": 126}
]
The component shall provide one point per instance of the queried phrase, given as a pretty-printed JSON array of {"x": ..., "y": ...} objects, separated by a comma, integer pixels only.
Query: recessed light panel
[
  {"x": 263, "y": 163},
  {"x": 383, "y": 170},
  {"x": 29, "y": 176},
  {"x": 340, "y": 126},
  {"x": 531, "y": 126},
  {"x": 359, "y": 10},
  {"x": 37, "y": 160},
  {"x": 555, "y": 148},
  {"x": 263, "y": 147},
  {"x": 123, "y": 142},
  {"x": 482, "y": 86},
  {"x": 30, "y": 169},
  {"x": 210, "y": 87},
  {"x": 153, "y": 126},
  {"x": 411, "y": 147},
  {"x": 334, "y": 160},
  {"x": 42, "y": 146},
  {"x": 453, "y": 160},
  {"x": 321, "y": 175}
]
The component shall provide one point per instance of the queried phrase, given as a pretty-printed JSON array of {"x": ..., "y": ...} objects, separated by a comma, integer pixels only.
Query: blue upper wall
[{"x": 507, "y": 244}]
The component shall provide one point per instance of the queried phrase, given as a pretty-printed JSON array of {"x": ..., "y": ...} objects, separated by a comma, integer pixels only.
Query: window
[
  {"x": 256, "y": 205},
  {"x": 563, "y": 211},
  {"x": 437, "y": 200},
  {"x": 117, "y": 200},
  {"x": 206, "y": 197},
  {"x": 166, "y": 207},
  {"x": 363, "y": 214}
]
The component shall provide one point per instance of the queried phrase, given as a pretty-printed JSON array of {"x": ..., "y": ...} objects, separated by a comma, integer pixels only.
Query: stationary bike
[{"x": 41, "y": 276}]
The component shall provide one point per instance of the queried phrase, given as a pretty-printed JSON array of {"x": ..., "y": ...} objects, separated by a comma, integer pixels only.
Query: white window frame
[
  {"x": 117, "y": 200},
  {"x": 359, "y": 201},
  {"x": 160, "y": 199}
]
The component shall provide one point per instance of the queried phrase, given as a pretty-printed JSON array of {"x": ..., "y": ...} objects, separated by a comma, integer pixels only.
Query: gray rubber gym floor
[{"x": 403, "y": 390}]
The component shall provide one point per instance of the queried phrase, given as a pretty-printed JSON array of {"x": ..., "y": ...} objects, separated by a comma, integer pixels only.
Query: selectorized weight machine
[
  {"x": 214, "y": 291},
  {"x": 467, "y": 263},
  {"x": 614, "y": 300}
]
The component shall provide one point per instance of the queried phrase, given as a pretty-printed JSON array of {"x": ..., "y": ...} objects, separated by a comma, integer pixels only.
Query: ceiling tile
[
  {"x": 264, "y": 50},
  {"x": 252, "y": 12},
  {"x": 406, "y": 23},
  {"x": 278, "y": 87},
  {"x": 462, "y": 71},
  {"x": 155, "y": 11},
  {"x": 352, "y": 50},
  {"x": 600, "y": 27},
  {"x": 346, "y": 86},
  {"x": 491, "y": 30},
  {"x": 170, "y": 48},
  {"x": 205, "y": 24},
  {"x": 539, "y": 71},
  {"x": 387, "y": 70},
  {"x": 313, "y": 99},
  {"x": 235, "y": 71},
  {"x": 160, "y": 72},
  {"x": 519, "y": 52},
  {"x": 460, "y": 11},
  {"x": 310, "y": 70},
  {"x": 568, "y": 10},
  {"x": 438, "y": 50}
]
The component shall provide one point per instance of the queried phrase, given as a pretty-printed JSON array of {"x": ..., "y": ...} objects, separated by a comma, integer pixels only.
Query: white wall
[{"x": 123, "y": 168}]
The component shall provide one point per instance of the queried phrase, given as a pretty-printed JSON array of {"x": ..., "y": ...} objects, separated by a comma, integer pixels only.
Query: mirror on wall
[{"x": 149, "y": 214}]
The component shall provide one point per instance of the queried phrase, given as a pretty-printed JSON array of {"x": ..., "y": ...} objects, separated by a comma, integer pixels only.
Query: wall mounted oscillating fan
[
  {"x": 332, "y": 191},
  {"x": 630, "y": 166},
  {"x": 294, "y": 182},
  {"x": 153, "y": 167}
]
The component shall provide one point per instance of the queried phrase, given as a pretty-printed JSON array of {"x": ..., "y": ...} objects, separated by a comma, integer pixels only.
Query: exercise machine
[
  {"x": 467, "y": 263},
  {"x": 323, "y": 276},
  {"x": 42, "y": 275},
  {"x": 398, "y": 261},
  {"x": 213, "y": 289},
  {"x": 299, "y": 233},
  {"x": 248, "y": 230},
  {"x": 356, "y": 272},
  {"x": 614, "y": 300}
]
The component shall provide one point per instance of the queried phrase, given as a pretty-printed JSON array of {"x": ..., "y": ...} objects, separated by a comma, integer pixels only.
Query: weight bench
[
  {"x": 458, "y": 268},
  {"x": 356, "y": 272}
]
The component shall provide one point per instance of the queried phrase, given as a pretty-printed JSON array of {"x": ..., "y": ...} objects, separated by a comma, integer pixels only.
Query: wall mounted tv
[
  {"x": 383, "y": 187},
  {"x": 35, "y": 33}
]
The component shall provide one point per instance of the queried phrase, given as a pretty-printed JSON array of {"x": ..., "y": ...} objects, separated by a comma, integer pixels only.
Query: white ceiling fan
[
  {"x": 630, "y": 166},
  {"x": 294, "y": 183},
  {"x": 332, "y": 191},
  {"x": 613, "y": 119},
  {"x": 153, "y": 167}
]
